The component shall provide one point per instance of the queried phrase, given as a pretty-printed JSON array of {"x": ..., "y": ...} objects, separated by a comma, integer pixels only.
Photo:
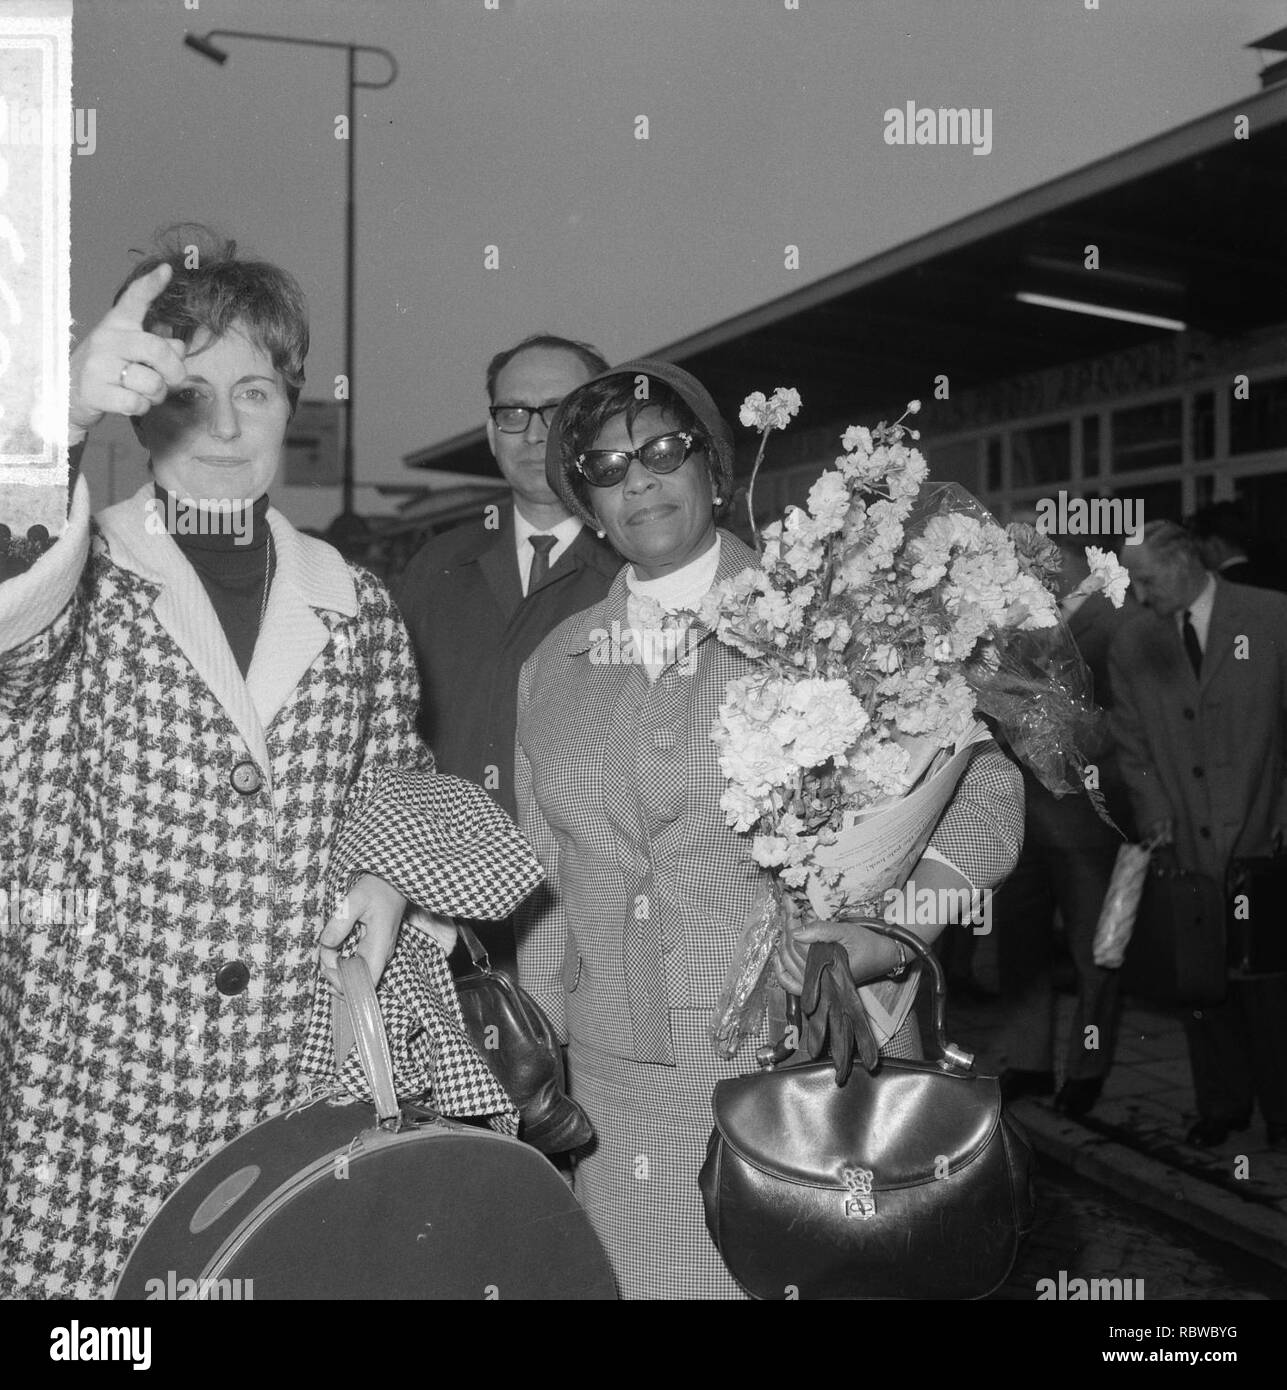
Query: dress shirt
[
  {"x": 1199, "y": 612},
  {"x": 564, "y": 533}
]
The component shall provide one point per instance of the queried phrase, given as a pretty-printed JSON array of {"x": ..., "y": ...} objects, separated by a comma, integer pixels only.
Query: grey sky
[{"x": 516, "y": 127}]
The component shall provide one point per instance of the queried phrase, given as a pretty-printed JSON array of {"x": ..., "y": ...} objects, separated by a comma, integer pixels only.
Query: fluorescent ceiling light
[{"x": 1101, "y": 311}]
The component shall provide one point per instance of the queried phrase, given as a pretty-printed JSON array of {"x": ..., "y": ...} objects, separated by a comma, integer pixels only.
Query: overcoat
[
  {"x": 179, "y": 823},
  {"x": 1207, "y": 753},
  {"x": 618, "y": 787}
]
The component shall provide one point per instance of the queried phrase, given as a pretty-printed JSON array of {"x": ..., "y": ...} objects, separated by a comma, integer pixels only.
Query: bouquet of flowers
[{"x": 882, "y": 622}]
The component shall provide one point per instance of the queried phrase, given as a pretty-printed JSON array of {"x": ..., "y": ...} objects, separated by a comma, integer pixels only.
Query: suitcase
[
  {"x": 346, "y": 1201},
  {"x": 1176, "y": 955}
]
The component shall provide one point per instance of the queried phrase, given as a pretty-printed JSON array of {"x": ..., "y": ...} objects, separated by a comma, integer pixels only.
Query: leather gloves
[{"x": 832, "y": 1010}]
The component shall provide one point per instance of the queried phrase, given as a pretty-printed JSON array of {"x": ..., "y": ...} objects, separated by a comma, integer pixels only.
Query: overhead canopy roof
[{"x": 1191, "y": 225}]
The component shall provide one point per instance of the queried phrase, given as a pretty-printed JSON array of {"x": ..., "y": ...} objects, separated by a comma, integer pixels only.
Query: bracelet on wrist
[{"x": 899, "y": 971}]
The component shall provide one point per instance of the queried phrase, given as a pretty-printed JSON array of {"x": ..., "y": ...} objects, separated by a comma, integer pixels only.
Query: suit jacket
[
  {"x": 1208, "y": 753},
  {"x": 600, "y": 845},
  {"x": 472, "y": 630}
]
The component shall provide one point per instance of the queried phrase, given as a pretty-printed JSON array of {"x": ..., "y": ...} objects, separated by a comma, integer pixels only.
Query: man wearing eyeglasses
[{"x": 479, "y": 599}]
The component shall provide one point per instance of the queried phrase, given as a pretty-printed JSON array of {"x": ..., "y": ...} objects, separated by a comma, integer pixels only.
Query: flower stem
[{"x": 750, "y": 491}]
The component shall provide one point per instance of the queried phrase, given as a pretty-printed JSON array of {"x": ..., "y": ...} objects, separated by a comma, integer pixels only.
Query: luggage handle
[{"x": 357, "y": 1018}]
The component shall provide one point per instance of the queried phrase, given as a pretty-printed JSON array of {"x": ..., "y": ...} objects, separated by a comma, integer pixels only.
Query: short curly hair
[
  {"x": 215, "y": 289},
  {"x": 594, "y": 405}
]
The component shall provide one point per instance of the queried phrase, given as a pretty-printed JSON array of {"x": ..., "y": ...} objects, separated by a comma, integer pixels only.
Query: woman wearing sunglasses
[{"x": 619, "y": 788}]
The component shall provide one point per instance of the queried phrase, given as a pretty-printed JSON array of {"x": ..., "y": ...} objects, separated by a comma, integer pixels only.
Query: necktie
[
  {"x": 542, "y": 545},
  {"x": 1192, "y": 646}
]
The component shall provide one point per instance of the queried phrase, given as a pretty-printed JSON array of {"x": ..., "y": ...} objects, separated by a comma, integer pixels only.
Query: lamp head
[{"x": 205, "y": 48}]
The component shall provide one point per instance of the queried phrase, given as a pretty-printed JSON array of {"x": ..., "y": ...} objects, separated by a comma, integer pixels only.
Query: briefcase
[
  {"x": 1257, "y": 919},
  {"x": 343, "y": 1200},
  {"x": 1177, "y": 951}
]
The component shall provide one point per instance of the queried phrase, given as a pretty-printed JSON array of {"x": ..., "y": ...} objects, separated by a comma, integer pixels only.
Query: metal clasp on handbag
[{"x": 860, "y": 1200}]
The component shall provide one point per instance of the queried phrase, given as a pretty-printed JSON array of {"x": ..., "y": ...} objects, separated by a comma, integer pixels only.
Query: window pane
[
  {"x": 1146, "y": 436},
  {"x": 1264, "y": 502},
  {"x": 1204, "y": 425},
  {"x": 1259, "y": 422},
  {"x": 1090, "y": 445},
  {"x": 1042, "y": 454},
  {"x": 1159, "y": 502}
]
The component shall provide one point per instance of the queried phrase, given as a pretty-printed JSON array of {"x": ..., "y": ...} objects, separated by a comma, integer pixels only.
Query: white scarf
[{"x": 649, "y": 599}]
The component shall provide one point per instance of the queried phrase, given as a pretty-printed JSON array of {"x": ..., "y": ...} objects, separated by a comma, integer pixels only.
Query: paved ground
[
  {"x": 1088, "y": 1231},
  {"x": 1133, "y": 1140}
]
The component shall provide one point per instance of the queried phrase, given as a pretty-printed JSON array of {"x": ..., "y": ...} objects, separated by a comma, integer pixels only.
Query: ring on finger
[{"x": 125, "y": 369}]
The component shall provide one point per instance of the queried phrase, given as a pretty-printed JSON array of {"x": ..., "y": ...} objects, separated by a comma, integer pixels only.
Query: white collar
[
  {"x": 1199, "y": 612},
  {"x": 682, "y": 588},
  {"x": 310, "y": 575},
  {"x": 564, "y": 533}
]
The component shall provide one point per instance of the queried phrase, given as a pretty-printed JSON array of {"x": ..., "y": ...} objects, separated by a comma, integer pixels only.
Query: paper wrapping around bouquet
[
  {"x": 878, "y": 853},
  {"x": 1120, "y": 907}
]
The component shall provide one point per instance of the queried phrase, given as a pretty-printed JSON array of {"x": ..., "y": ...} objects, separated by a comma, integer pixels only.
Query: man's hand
[
  {"x": 119, "y": 369},
  {"x": 377, "y": 906}
]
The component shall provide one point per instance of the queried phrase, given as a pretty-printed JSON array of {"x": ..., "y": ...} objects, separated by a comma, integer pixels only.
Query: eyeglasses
[
  {"x": 514, "y": 419},
  {"x": 607, "y": 467}
]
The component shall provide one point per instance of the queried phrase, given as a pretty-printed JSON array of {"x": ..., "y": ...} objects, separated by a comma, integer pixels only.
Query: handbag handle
[
  {"x": 950, "y": 1056},
  {"x": 356, "y": 1018},
  {"x": 948, "y": 1053},
  {"x": 477, "y": 951}
]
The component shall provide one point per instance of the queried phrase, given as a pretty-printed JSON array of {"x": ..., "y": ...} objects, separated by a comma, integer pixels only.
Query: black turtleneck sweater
[{"x": 234, "y": 571}]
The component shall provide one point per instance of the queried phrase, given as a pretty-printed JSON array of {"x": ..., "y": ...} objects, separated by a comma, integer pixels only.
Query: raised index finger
[{"x": 131, "y": 309}]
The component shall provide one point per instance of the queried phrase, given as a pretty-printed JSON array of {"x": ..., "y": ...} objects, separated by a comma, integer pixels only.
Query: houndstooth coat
[
  {"x": 618, "y": 786},
  {"x": 200, "y": 813}
]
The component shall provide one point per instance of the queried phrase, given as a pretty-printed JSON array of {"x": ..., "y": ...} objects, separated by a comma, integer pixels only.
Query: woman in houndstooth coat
[
  {"x": 618, "y": 788},
  {"x": 204, "y": 751}
]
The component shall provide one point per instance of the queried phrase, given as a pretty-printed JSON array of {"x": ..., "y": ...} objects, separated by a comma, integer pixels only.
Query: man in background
[
  {"x": 1199, "y": 697},
  {"x": 1066, "y": 864},
  {"x": 479, "y": 598},
  {"x": 1225, "y": 542}
]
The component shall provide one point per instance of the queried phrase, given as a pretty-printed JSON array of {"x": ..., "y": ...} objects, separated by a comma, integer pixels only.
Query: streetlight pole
[{"x": 205, "y": 45}]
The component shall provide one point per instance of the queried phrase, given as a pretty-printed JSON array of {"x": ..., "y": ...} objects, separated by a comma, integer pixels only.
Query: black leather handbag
[
  {"x": 910, "y": 1181},
  {"x": 1178, "y": 948},
  {"x": 516, "y": 1040}
]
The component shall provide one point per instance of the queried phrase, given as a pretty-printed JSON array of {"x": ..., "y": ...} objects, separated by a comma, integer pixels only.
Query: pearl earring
[
  {"x": 719, "y": 501},
  {"x": 601, "y": 534}
]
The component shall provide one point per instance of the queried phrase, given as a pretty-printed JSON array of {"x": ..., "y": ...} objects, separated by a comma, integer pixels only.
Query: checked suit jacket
[{"x": 584, "y": 720}]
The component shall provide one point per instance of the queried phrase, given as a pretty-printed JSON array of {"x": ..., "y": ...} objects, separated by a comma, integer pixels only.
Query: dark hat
[{"x": 560, "y": 468}]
